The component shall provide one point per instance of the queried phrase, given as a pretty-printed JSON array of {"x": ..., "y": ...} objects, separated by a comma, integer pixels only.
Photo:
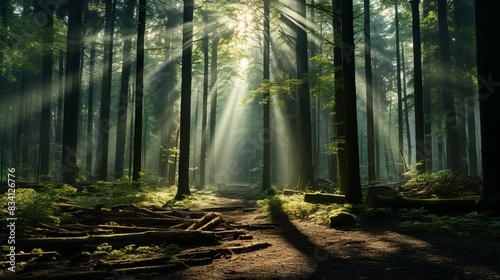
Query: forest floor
[{"x": 303, "y": 249}]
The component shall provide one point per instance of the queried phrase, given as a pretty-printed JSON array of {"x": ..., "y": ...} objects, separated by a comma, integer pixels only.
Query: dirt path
[{"x": 304, "y": 250}]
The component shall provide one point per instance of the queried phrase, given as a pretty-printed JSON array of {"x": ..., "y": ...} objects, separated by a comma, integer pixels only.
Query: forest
[{"x": 154, "y": 118}]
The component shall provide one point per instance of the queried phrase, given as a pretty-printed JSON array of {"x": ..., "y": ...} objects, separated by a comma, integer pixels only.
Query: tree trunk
[
  {"x": 266, "y": 172},
  {"x": 339, "y": 107},
  {"x": 69, "y": 167},
  {"x": 139, "y": 92},
  {"x": 455, "y": 157},
  {"x": 104, "y": 123},
  {"x": 121, "y": 127},
  {"x": 213, "y": 108},
  {"x": 45, "y": 127},
  {"x": 400, "y": 98},
  {"x": 369, "y": 95},
  {"x": 488, "y": 68},
  {"x": 187, "y": 65},
  {"x": 353, "y": 182},
  {"x": 204, "y": 113},
  {"x": 307, "y": 179},
  {"x": 419, "y": 105}
]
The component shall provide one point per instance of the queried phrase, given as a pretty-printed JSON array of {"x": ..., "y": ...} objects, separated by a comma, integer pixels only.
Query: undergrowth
[{"x": 471, "y": 225}]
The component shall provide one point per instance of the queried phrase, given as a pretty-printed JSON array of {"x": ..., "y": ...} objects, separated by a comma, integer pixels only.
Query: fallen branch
[
  {"x": 324, "y": 198},
  {"x": 147, "y": 238}
]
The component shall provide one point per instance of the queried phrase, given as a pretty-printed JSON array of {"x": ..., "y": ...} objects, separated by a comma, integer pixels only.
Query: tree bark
[
  {"x": 69, "y": 167},
  {"x": 104, "y": 120},
  {"x": 418, "y": 95},
  {"x": 139, "y": 92},
  {"x": 307, "y": 179},
  {"x": 353, "y": 182},
  {"x": 266, "y": 131},
  {"x": 121, "y": 127},
  {"x": 187, "y": 55},
  {"x": 488, "y": 71},
  {"x": 45, "y": 125}
]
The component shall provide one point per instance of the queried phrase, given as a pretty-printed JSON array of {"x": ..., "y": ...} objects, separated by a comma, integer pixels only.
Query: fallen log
[
  {"x": 142, "y": 221},
  {"x": 436, "y": 206},
  {"x": 324, "y": 198},
  {"x": 211, "y": 224},
  {"x": 65, "y": 244},
  {"x": 217, "y": 252},
  {"x": 203, "y": 220}
]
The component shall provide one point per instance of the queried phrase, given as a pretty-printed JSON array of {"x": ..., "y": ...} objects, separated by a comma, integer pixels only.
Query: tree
[
  {"x": 398, "y": 82},
  {"x": 454, "y": 155},
  {"x": 204, "y": 114},
  {"x": 418, "y": 94},
  {"x": 121, "y": 128},
  {"x": 369, "y": 95},
  {"x": 488, "y": 73},
  {"x": 139, "y": 92},
  {"x": 104, "y": 120},
  {"x": 266, "y": 173},
  {"x": 339, "y": 107},
  {"x": 69, "y": 167},
  {"x": 187, "y": 65},
  {"x": 45, "y": 127},
  {"x": 353, "y": 191},
  {"x": 307, "y": 170}
]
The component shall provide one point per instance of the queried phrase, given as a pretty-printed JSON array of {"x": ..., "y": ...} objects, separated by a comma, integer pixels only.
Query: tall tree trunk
[
  {"x": 418, "y": 95},
  {"x": 429, "y": 40},
  {"x": 339, "y": 107},
  {"x": 266, "y": 172},
  {"x": 121, "y": 127},
  {"x": 204, "y": 113},
  {"x": 369, "y": 95},
  {"x": 307, "y": 179},
  {"x": 407, "y": 109},
  {"x": 139, "y": 92},
  {"x": 187, "y": 65},
  {"x": 69, "y": 167},
  {"x": 400, "y": 100},
  {"x": 90, "y": 106},
  {"x": 353, "y": 183},
  {"x": 455, "y": 156},
  {"x": 104, "y": 123},
  {"x": 464, "y": 20},
  {"x": 213, "y": 108},
  {"x": 45, "y": 127},
  {"x": 488, "y": 68}
]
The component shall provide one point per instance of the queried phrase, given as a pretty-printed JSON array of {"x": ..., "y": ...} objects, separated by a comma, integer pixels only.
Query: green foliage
[
  {"x": 280, "y": 90},
  {"x": 33, "y": 207},
  {"x": 107, "y": 252},
  {"x": 471, "y": 225}
]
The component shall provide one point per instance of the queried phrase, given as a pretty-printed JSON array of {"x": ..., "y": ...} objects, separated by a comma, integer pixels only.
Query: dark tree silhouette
[
  {"x": 69, "y": 168},
  {"x": 104, "y": 121},
  {"x": 353, "y": 182},
  {"x": 187, "y": 65},
  {"x": 307, "y": 171},
  {"x": 418, "y": 95},
  {"x": 45, "y": 125},
  {"x": 121, "y": 127},
  {"x": 266, "y": 173},
  {"x": 139, "y": 92},
  {"x": 488, "y": 68}
]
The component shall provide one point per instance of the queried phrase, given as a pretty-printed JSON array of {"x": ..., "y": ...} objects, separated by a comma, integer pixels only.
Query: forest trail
[{"x": 306, "y": 250}]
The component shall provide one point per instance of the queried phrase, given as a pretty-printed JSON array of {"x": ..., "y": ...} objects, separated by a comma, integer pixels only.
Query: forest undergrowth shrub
[
  {"x": 471, "y": 225},
  {"x": 38, "y": 206}
]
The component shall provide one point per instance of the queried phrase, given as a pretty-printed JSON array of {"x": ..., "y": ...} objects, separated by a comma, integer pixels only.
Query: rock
[{"x": 342, "y": 219}]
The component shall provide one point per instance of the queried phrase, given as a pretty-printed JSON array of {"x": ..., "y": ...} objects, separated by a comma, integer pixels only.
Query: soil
[
  {"x": 306, "y": 250},
  {"x": 303, "y": 249}
]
